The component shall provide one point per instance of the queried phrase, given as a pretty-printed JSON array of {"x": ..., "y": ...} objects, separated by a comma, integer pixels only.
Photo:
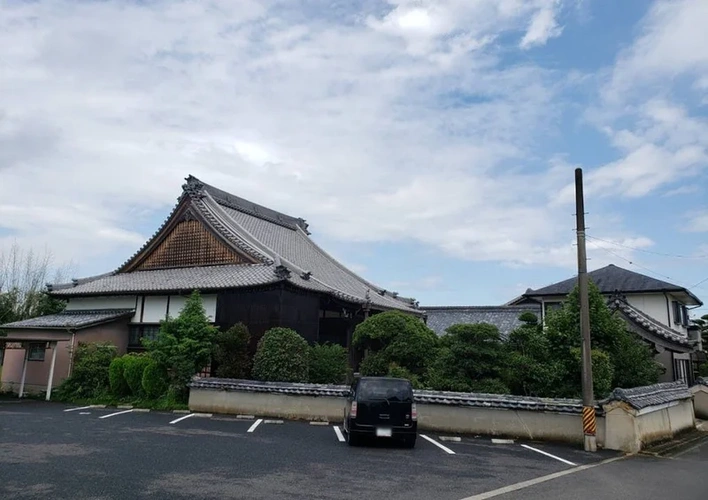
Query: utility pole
[{"x": 589, "y": 421}]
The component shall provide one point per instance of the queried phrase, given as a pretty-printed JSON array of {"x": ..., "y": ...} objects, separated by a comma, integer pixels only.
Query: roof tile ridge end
[{"x": 261, "y": 251}]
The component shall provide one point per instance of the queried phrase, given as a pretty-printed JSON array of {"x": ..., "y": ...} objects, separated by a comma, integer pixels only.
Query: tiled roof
[
  {"x": 280, "y": 243},
  {"x": 505, "y": 318},
  {"x": 71, "y": 319},
  {"x": 429, "y": 397},
  {"x": 652, "y": 395},
  {"x": 647, "y": 323},
  {"x": 610, "y": 279},
  {"x": 187, "y": 278}
]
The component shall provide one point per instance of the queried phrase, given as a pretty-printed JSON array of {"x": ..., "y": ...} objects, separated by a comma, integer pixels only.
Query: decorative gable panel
[{"x": 190, "y": 244}]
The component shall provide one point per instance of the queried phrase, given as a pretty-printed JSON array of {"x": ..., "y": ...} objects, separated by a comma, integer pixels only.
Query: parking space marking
[
  {"x": 84, "y": 413},
  {"x": 338, "y": 433},
  {"x": 182, "y": 418},
  {"x": 444, "y": 448},
  {"x": 548, "y": 454},
  {"x": 117, "y": 413},
  {"x": 255, "y": 424},
  {"x": 79, "y": 408}
]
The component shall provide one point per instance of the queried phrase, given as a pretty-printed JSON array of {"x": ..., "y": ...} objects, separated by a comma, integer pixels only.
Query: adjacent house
[
  {"x": 656, "y": 310},
  {"x": 251, "y": 264},
  {"x": 505, "y": 318}
]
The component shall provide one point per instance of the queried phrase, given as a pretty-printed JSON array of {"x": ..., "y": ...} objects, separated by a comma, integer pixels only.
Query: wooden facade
[{"x": 189, "y": 244}]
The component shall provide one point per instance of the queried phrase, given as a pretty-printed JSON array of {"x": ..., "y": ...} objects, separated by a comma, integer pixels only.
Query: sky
[{"x": 430, "y": 145}]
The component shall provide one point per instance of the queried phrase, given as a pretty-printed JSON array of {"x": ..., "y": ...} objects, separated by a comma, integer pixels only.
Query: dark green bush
[
  {"x": 119, "y": 386},
  {"x": 90, "y": 371},
  {"x": 134, "y": 366},
  {"x": 231, "y": 352},
  {"x": 328, "y": 364},
  {"x": 155, "y": 381},
  {"x": 399, "y": 338},
  {"x": 396, "y": 371},
  {"x": 374, "y": 364},
  {"x": 282, "y": 356}
]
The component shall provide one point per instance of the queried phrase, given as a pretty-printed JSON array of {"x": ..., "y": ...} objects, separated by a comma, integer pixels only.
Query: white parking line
[
  {"x": 255, "y": 424},
  {"x": 84, "y": 413},
  {"x": 338, "y": 433},
  {"x": 444, "y": 448},
  {"x": 80, "y": 408},
  {"x": 548, "y": 454},
  {"x": 117, "y": 413},
  {"x": 182, "y": 418}
]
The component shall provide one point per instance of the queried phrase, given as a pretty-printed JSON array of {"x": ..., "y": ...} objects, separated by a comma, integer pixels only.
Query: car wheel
[{"x": 409, "y": 441}]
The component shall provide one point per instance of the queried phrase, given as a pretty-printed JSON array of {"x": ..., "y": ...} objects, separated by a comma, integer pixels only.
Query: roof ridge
[
  {"x": 195, "y": 186},
  {"x": 223, "y": 219},
  {"x": 504, "y": 307}
]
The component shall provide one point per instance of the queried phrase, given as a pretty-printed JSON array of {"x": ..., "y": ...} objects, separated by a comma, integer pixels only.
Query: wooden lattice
[{"x": 190, "y": 244}]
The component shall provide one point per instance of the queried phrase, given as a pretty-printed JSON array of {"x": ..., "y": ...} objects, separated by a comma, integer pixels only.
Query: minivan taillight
[
  {"x": 353, "y": 412},
  {"x": 414, "y": 412}
]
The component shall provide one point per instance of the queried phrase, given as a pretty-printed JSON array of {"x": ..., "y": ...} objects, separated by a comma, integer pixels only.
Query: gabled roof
[
  {"x": 610, "y": 279},
  {"x": 272, "y": 246},
  {"x": 648, "y": 327},
  {"x": 74, "y": 320},
  {"x": 505, "y": 318}
]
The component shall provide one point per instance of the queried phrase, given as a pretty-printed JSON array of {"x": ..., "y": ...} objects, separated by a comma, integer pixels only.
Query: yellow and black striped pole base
[{"x": 589, "y": 428}]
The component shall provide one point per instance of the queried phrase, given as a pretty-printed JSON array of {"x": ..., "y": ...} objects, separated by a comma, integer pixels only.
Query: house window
[
  {"x": 680, "y": 313},
  {"x": 36, "y": 351},
  {"x": 552, "y": 306},
  {"x": 140, "y": 332}
]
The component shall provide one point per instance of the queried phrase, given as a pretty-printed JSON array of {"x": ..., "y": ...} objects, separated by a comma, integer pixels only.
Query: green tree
[
  {"x": 184, "y": 345},
  {"x": 472, "y": 358},
  {"x": 90, "y": 376},
  {"x": 632, "y": 360},
  {"x": 231, "y": 352},
  {"x": 395, "y": 337},
  {"x": 530, "y": 369},
  {"x": 702, "y": 324},
  {"x": 328, "y": 364},
  {"x": 282, "y": 356}
]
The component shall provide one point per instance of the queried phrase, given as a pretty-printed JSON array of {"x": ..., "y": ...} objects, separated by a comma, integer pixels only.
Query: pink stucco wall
[{"x": 38, "y": 371}]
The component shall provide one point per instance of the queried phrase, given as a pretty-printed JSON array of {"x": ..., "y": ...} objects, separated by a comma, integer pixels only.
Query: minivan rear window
[{"x": 385, "y": 389}]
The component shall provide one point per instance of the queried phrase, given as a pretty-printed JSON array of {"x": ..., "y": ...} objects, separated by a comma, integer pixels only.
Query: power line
[
  {"x": 662, "y": 254},
  {"x": 647, "y": 269},
  {"x": 699, "y": 283}
]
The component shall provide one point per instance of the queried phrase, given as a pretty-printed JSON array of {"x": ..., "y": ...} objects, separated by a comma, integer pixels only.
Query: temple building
[{"x": 250, "y": 263}]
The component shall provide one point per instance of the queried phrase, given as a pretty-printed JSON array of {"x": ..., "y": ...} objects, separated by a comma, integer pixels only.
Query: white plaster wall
[
  {"x": 653, "y": 304},
  {"x": 700, "y": 401},
  {"x": 105, "y": 302},
  {"x": 155, "y": 308}
]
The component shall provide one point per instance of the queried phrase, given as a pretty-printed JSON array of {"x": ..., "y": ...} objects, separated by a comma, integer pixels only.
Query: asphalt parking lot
[{"x": 50, "y": 450}]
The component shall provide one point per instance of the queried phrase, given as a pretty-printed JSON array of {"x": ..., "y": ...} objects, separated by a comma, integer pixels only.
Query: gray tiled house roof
[
  {"x": 610, "y": 279},
  {"x": 646, "y": 322},
  {"x": 279, "y": 246},
  {"x": 70, "y": 319},
  {"x": 505, "y": 318},
  {"x": 652, "y": 395}
]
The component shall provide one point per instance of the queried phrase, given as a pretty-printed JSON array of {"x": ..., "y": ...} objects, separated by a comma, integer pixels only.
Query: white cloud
[
  {"x": 395, "y": 121},
  {"x": 698, "y": 222},
  {"x": 543, "y": 26},
  {"x": 681, "y": 190}
]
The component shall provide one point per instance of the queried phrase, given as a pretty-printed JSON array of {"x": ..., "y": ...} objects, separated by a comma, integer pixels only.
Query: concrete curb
[
  {"x": 125, "y": 407},
  {"x": 181, "y": 411},
  {"x": 97, "y": 406},
  {"x": 203, "y": 415},
  {"x": 455, "y": 439},
  {"x": 245, "y": 417},
  {"x": 141, "y": 410},
  {"x": 319, "y": 422}
]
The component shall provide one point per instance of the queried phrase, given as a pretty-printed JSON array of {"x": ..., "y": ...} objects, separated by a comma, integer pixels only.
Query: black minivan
[{"x": 381, "y": 407}]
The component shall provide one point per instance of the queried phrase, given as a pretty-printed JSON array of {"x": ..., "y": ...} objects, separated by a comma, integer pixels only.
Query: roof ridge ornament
[{"x": 193, "y": 187}]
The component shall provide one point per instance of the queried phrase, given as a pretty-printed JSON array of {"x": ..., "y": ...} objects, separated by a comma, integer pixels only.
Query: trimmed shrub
[
  {"x": 90, "y": 371},
  {"x": 231, "y": 352},
  {"x": 133, "y": 372},
  {"x": 374, "y": 364},
  {"x": 119, "y": 386},
  {"x": 328, "y": 364},
  {"x": 155, "y": 381},
  {"x": 282, "y": 356},
  {"x": 396, "y": 371}
]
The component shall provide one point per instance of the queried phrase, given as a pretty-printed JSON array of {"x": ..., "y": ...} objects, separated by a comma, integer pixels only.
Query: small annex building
[{"x": 250, "y": 263}]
